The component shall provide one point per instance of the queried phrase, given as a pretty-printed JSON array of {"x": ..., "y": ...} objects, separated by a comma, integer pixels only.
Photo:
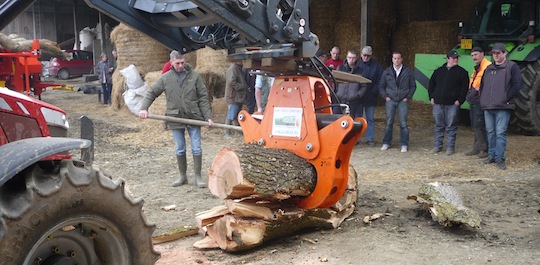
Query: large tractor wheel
[
  {"x": 527, "y": 112},
  {"x": 64, "y": 213}
]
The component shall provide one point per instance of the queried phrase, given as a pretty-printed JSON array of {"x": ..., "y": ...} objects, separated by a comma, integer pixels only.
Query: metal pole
[{"x": 194, "y": 122}]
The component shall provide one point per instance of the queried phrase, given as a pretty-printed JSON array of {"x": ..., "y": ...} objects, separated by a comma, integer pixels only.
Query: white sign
[{"x": 287, "y": 122}]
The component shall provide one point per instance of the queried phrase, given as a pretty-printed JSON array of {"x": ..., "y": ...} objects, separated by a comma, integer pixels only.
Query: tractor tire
[
  {"x": 65, "y": 213},
  {"x": 63, "y": 74},
  {"x": 527, "y": 112}
]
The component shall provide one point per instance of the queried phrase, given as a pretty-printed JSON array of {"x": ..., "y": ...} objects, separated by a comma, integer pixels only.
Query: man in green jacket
[{"x": 187, "y": 97}]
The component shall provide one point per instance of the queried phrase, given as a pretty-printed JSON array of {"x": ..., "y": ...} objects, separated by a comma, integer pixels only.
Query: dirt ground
[{"x": 142, "y": 153}]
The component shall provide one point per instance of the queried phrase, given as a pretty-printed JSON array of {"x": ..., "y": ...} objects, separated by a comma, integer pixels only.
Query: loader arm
[{"x": 190, "y": 25}]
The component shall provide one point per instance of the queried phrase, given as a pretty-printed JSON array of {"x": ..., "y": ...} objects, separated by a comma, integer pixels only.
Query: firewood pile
[{"x": 260, "y": 187}]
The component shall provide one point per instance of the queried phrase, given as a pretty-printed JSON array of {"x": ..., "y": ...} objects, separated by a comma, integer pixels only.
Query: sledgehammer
[{"x": 194, "y": 122}]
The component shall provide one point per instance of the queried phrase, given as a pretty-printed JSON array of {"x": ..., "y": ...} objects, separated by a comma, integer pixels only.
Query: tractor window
[
  {"x": 501, "y": 17},
  {"x": 18, "y": 127}
]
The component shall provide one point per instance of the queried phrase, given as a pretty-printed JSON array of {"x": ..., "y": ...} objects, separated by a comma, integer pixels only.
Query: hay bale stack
[
  {"x": 191, "y": 58},
  {"x": 135, "y": 48},
  {"x": 348, "y": 26},
  {"x": 160, "y": 104},
  {"x": 383, "y": 24},
  {"x": 425, "y": 37},
  {"x": 413, "y": 10},
  {"x": 323, "y": 16},
  {"x": 212, "y": 66}
]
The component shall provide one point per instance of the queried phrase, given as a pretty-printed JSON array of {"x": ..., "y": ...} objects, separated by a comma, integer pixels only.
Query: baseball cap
[
  {"x": 452, "y": 54},
  {"x": 498, "y": 47},
  {"x": 477, "y": 49},
  {"x": 367, "y": 50}
]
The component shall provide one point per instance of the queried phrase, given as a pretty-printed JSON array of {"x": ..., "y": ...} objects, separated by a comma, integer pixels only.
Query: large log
[
  {"x": 264, "y": 172},
  {"x": 251, "y": 222}
]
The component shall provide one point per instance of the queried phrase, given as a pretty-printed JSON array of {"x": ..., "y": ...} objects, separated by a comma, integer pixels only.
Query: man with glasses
[
  {"x": 500, "y": 85},
  {"x": 447, "y": 90}
]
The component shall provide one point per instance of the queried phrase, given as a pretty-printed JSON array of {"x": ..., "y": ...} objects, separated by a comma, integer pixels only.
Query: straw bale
[
  {"x": 212, "y": 66},
  {"x": 425, "y": 37},
  {"x": 191, "y": 58},
  {"x": 323, "y": 16},
  {"x": 133, "y": 47},
  {"x": 347, "y": 26},
  {"x": 413, "y": 10},
  {"x": 382, "y": 26}
]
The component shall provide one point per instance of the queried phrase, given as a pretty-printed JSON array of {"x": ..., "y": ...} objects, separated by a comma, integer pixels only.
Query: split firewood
[
  {"x": 174, "y": 234},
  {"x": 266, "y": 172},
  {"x": 249, "y": 222},
  {"x": 445, "y": 205}
]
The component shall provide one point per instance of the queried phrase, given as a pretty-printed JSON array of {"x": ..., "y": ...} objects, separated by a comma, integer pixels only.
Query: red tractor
[{"x": 55, "y": 209}]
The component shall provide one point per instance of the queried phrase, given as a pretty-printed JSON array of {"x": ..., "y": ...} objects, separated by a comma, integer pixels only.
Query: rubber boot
[
  {"x": 228, "y": 133},
  {"x": 197, "y": 164},
  {"x": 182, "y": 166}
]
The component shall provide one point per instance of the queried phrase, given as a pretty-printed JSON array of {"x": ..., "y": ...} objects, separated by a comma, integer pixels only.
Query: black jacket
[
  {"x": 500, "y": 85},
  {"x": 397, "y": 88},
  {"x": 350, "y": 92},
  {"x": 448, "y": 85}
]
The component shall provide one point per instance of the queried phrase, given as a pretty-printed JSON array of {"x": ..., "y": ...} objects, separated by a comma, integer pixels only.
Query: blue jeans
[
  {"x": 368, "y": 112},
  {"x": 106, "y": 88},
  {"x": 195, "y": 139},
  {"x": 496, "y": 125},
  {"x": 232, "y": 111},
  {"x": 402, "y": 109},
  {"x": 446, "y": 118}
]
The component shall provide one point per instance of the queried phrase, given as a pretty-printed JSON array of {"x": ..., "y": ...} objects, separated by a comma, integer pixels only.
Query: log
[
  {"x": 265, "y": 172},
  {"x": 20, "y": 44},
  {"x": 252, "y": 221}
]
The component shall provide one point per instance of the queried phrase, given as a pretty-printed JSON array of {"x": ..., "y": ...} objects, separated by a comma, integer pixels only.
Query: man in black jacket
[
  {"x": 397, "y": 86},
  {"x": 447, "y": 90}
]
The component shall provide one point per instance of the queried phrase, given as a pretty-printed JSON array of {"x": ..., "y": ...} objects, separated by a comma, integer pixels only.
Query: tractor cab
[{"x": 500, "y": 21}]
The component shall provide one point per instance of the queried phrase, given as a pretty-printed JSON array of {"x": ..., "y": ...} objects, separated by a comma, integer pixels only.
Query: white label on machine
[{"x": 287, "y": 122}]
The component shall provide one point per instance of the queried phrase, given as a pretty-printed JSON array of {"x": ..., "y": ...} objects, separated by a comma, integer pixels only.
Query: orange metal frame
[{"x": 290, "y": 122}]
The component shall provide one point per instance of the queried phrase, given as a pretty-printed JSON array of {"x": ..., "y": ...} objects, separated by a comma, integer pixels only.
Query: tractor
[{"x": 516, "y": 23}]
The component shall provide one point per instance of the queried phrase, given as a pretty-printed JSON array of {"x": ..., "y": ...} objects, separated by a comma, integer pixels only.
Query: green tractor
[{"x": 514, "y": 23}]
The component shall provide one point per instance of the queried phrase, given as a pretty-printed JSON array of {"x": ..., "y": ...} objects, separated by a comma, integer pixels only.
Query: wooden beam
[{"x": 344, "y": 77}]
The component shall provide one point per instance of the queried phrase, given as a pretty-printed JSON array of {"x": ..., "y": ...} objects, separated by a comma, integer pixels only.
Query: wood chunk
[{"x": 445, "y": 205}]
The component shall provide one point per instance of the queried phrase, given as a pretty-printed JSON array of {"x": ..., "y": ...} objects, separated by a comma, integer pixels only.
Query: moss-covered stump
[{"x": 445, "y": 205}]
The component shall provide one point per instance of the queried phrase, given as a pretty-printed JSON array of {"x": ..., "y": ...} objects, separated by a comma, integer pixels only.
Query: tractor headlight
[{"x": 56, "y": 121}]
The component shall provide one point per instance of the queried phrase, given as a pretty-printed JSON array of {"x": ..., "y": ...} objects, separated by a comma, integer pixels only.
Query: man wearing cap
[
  {"x": 500, "y": 85},
  {"x": 476, "y": 113},
  {"x": 372, "y": 71},
  {"x": 447, "y": 90},
  {"x": 321, "y": 54}
]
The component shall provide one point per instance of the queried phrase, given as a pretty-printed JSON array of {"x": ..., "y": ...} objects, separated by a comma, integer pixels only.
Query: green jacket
[
  {"x": 189, "y": 101},
  {"x": 236, "y": 86}
]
